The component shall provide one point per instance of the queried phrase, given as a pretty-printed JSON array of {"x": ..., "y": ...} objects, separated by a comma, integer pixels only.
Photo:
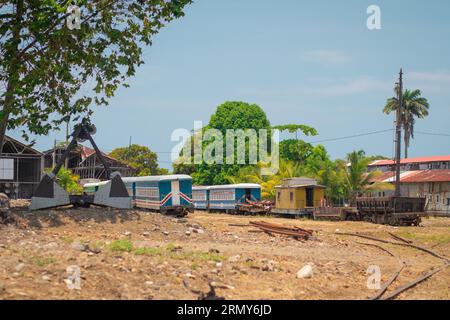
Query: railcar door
[
  {"x": 248, "y": 194},
  {"x": 175, "y": 192},
  {"x": 310, "y": 197}
]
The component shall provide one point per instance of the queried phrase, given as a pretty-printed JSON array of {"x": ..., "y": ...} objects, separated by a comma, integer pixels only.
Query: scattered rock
[
  {"x": 214, "y": 251},
  {"x": 19, "y": 267},
  {"x": 221, "y": 285},
  {"x": 146, "y": 233},
  {"x": 165, "y": 233},
  {"x": 306, "y": 272},
  {"x": 46, "y": 278},
  {"x": 127, "y": 233},
  {"x": 148, "y": 283},
  {"x": 78, "y": 246},
  {"x": 268, "y": 265},
  {"x": 190, "y": 275},
  {"x": 200, "y": 231},
  {"x": 219, "y": 265},
  {"x": 235, "y": 258},
  {"x": 182, "y": 220},
  {"x": 188, "y": 233}
]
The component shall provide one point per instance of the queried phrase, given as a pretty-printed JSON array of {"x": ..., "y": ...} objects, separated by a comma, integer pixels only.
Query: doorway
[{"x": 310, "y": 197}]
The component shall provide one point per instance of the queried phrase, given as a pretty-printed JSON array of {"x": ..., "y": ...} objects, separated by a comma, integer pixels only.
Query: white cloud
[
  {"x": 432, "y": 82},
  {"x": 326, "y": 56}
]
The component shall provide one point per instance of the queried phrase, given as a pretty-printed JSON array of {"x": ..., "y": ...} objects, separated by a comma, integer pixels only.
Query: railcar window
[
  {"x": 147, "y": 192},
  {"x": 222, "y": 195}
]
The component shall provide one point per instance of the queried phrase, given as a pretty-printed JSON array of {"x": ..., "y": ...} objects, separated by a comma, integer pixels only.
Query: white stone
[{"x": 306, "y": 272}]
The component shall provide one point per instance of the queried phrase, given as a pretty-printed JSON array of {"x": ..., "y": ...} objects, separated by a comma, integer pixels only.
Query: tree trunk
[
  {"x": 13, "y": 73},
  {"x": 406, "y": 140}
]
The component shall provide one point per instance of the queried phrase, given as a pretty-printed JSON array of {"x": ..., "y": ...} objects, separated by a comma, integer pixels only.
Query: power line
[
  {"x": 353, "y": 136},
  {"x": 433, "y": 134}
]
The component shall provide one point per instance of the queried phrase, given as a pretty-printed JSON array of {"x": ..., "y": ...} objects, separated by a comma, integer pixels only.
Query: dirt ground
[{"x": 137, "y": 254}]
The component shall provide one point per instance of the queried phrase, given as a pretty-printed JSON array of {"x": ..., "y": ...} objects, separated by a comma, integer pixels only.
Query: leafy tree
[
  {"x": 295, "y": 128},
  {"x": 357, "y": 179},
  {"x": 229, "y": 115},
  {"x": 50, "y": 73},
  {"x": 140, "y": 158},
  {"x": 413, "y": 106},
  {"x": 295, "y": 150}
]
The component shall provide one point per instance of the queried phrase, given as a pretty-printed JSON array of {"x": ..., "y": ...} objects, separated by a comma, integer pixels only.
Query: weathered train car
[
  {"x": 228, "y": 197},
  {"x": 167, "y": 194},
  {"x": 200, "y": 197},
  {"x": 298, "y": 196}
]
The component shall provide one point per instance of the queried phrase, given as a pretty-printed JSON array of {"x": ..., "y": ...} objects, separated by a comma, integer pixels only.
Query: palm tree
[
  {"x": 357, "y": 179},
  {"x": 414, "y": 106}
]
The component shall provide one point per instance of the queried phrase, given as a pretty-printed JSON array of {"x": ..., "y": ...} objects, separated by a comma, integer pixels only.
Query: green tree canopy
[
  {"x": 357, "y": 179},
  {"x": 50, "y": 73},
  {"x": 140, "y": 158},
  {"x": 229, "y": 115}
]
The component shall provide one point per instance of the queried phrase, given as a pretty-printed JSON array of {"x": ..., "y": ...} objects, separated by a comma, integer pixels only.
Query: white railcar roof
[
  {"x": 168, "y": 177},
  {"x": 229, "y": 186}
]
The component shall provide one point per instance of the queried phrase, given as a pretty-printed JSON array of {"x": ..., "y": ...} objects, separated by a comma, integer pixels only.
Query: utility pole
[{"x": 398, "y": 134}]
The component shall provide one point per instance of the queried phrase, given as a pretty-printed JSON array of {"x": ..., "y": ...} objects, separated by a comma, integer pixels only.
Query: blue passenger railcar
[
  {"x": 228, "y": 197},
  {"x": 200, "y": 197},
  {"x": 167, "y": 193}
]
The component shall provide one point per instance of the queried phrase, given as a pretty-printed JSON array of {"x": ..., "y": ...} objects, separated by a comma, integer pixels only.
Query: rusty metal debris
[
  {"x": 256, "y": 207},
  {"x": 296, "y": 232},
  {"x": 387, "y": 284},
  {"x": 415, "y": 282},
  {"x": 434, "y": 254},
  {"x": 399, "y": 238}
]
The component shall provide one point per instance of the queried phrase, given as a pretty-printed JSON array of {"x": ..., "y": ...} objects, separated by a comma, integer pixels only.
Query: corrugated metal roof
[
  {"x": 428, "y": 176},
  {"x": 411, "y": 160},
  {"x": 416, "y": 176}
]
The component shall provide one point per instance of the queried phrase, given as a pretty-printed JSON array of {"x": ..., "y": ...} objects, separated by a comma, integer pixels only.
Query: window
[
  {"x": 448, "y": 201},
  {"x": 6, "y": 169},
  {"x": 199, "y": 195},
  {"x": 437, "y": 198},
  {"x": 291, "y": 197},
  {"x": 278, "y": 194},
  {"x": 147, "y": 192},
  {"x": 222, "y": 195}
]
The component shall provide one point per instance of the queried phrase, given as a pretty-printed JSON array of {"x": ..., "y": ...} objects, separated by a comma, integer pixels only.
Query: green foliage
[
  {"x": 68, "y": 180},
  {"x": 138, "y": 157},
  {"x": 229, "y": 115},
  {"x": 295, "y": 150},
  {"x": 294, "y": 128},
  {"x": 122, "y": 245},
  {"x": 52, "y": 73},
  {"x": 238, "y": 115},
  {"x": 413, "y": 106},
  {"x": 357, "y": 179}
]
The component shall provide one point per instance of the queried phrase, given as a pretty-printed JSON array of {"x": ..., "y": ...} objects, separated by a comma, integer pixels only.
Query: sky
[{"x": 307, "y": 62}]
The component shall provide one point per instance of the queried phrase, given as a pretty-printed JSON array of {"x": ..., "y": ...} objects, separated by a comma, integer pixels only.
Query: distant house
[
  {"x": 83, "y": 161},
  {"x": 20, "y": 169},
  {"x": 427, "y": 177}
]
